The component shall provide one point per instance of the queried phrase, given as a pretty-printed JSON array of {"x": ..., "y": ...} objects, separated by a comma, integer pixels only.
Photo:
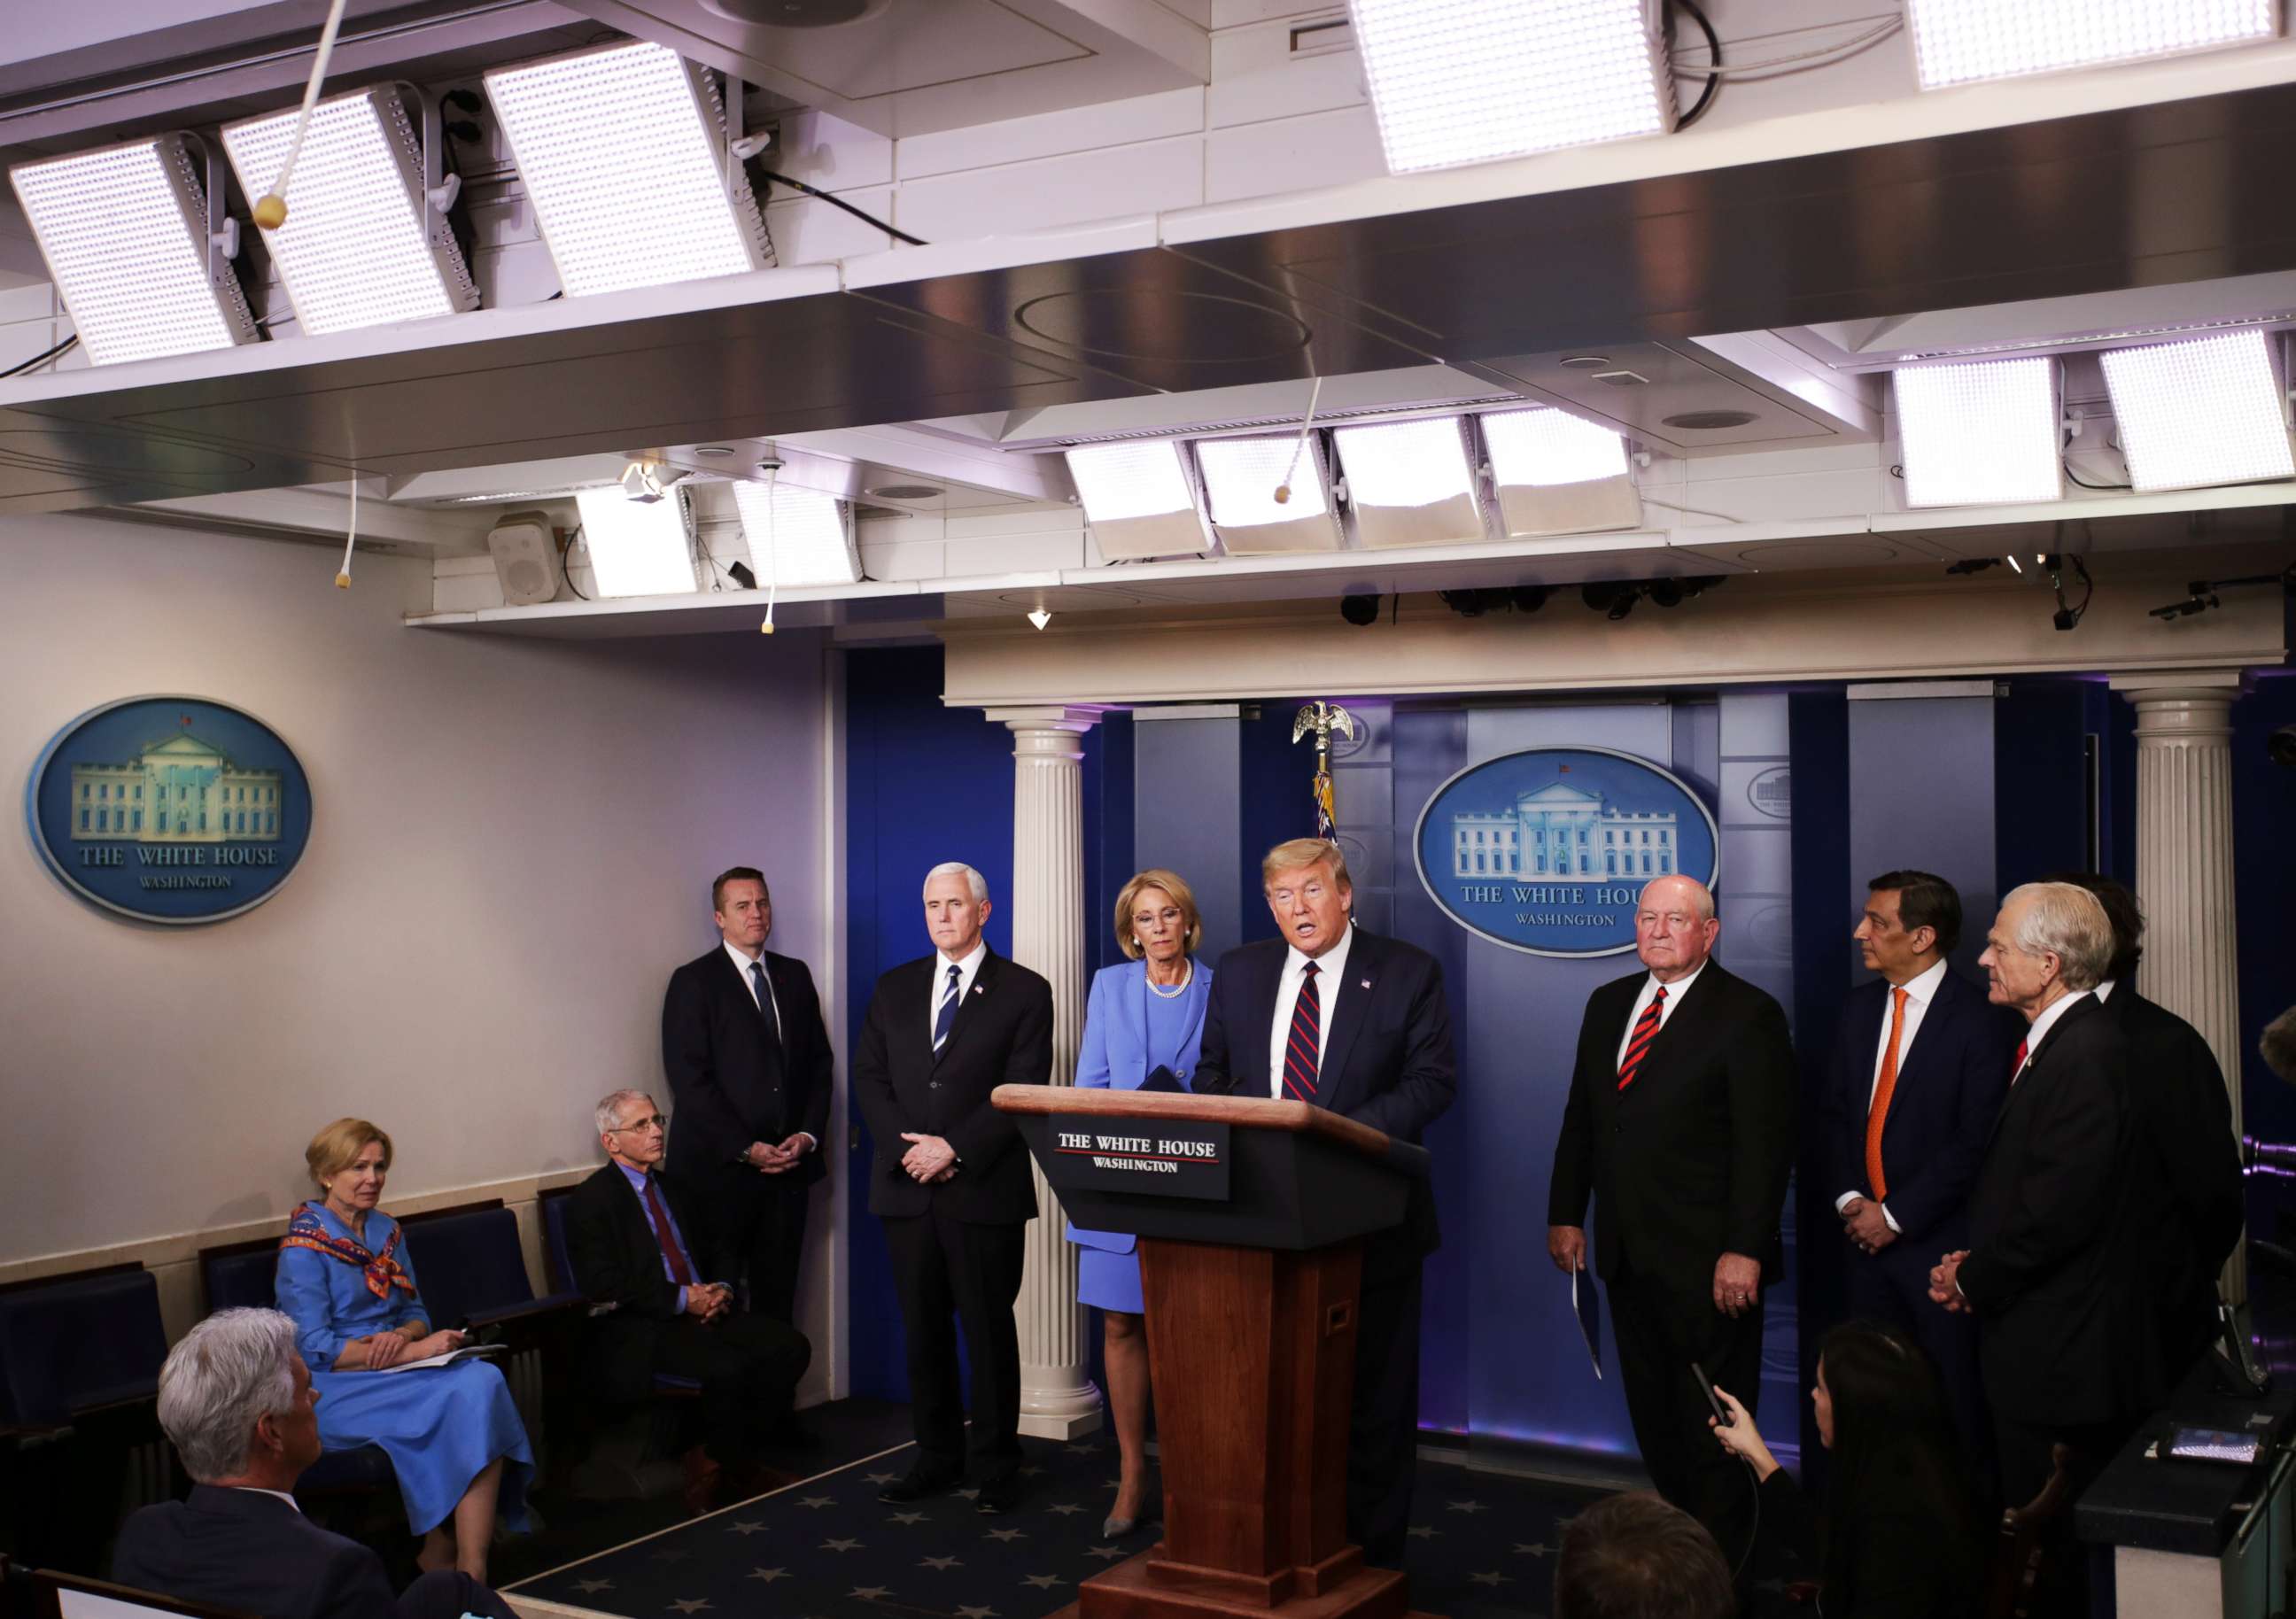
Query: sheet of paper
[
  {"x": 448, "y": 1359},
  {"x": 1586, "y": 1303}
]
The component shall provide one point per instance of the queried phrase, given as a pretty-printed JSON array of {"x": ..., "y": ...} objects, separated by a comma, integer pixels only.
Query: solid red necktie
[
  {"x": 680, "y": 1272},
  {"x": 1300, "y": 1057},
  {"x": 1638, "y": 1042},
  {"x": 2018, "y": 1067}
]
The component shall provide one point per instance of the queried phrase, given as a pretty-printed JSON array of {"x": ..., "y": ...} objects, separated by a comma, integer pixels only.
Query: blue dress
[
  {"x": 440, "y": 1426},
  {"x": 1129, "y": 1034}
]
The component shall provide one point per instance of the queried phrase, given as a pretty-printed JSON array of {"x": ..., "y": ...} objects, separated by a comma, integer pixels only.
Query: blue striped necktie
[{"x": 945, "y": 1018}]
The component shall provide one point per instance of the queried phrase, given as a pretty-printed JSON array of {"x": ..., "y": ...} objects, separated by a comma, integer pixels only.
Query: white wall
[{"x": 512, "y": 848}]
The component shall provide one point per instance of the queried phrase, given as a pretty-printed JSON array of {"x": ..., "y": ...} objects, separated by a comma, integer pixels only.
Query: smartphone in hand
[{"x": 1706, "y": 1386}]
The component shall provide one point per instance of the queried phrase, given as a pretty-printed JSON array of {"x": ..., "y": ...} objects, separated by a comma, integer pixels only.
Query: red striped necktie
[
  {"x": 1639, "y": 1042},
  {"x": 1299, "y": 1054}
]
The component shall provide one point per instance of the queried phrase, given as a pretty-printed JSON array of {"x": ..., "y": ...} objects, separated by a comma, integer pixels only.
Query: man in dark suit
[
  {"x": 236, "y": 1401},
  {"x": 749, "y": 1068},
  {"x": 2187, "y": 1158},
  {"x": 1680, "y": 1128},
  {"x": 636, "y": 1239},
  {"x": 2050, "y": 1269},
  {"x": 1344, "y": 1019},
  {"x": 1919, "y": 1069},
  {"x": 950, "y": 1180}
]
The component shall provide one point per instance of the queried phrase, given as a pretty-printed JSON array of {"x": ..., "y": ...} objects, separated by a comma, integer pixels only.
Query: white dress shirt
[
  {"x": 1673, "y": 1002},
  {"x": 2040, "y": 1029},
  {"x": 772, "y": 1008},
  {"x": 1330, "y": 972},
  {"x": 2103, "y": 991},
  {"x": 967, "y": 969},
  {"x": 1920, "y": 990}
]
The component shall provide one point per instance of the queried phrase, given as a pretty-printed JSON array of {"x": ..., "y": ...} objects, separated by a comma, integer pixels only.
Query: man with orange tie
[
  {"x": 1680, "y": 1129},
  {"x": 1919, "y": 1069}
]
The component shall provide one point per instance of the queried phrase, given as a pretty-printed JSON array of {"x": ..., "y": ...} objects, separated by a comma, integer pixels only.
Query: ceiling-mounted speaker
[{"x": 525, "y": 550}]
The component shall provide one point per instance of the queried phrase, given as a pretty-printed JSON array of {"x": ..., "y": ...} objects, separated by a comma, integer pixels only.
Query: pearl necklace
[{"x": 1177, "y": 990}]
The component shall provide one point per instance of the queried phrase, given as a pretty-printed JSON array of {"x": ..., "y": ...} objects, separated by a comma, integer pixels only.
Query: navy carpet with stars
[{"x": 1481, "y": 1544}]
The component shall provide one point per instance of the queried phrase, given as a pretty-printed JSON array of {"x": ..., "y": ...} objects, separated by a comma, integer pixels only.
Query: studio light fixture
[
  {"x": 1983, "y": 434},
  {"x": 1410, "y": 483},
  {"x": 1139, "y": 499},
  {"x": 797, "y": 536},
  {"x": 1959, "y": 42},
  {"x": 638, "y": 548},
  {"x": 625, "y": 153},
  {"x": 139, "y": 247},
  {"x": 1241, "y": 477},
  {"x": 365, "y": 241},
  {"x": 1469, "y": 81},
  {"x": 2214, "y": 411},
  {"x": 1553, "y": 473},
  {"x": 1039, "y": 617},
  {"x": 645, "y": 479}
]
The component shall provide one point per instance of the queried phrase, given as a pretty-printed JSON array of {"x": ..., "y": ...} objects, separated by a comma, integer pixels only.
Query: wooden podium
[{"x": 1251, "y": 1215}]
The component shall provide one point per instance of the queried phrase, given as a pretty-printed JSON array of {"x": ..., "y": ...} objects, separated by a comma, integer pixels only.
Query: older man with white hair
[
  {"x": 951, "y": 1181},
  {"x": 2050, "y": 1271},
  {"x": 236, "y": 1401}
]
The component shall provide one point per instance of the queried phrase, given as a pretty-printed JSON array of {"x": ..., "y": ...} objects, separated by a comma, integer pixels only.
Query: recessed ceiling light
[
  {"x": 713, "y": 449},
  {"x": 1585, "y": 361},
  {"x": 907, "y": 492}
]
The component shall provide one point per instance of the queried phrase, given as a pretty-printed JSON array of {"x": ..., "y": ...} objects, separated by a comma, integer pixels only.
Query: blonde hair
[
  {"x": 332, "y": 1150},
  {"x": 1303, "y": 851},
  {"x": 1173, "y": 884}
]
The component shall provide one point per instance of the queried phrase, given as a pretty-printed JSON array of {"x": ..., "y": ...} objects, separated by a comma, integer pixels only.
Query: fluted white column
[
  {"x": 1058, "y": 1400},
  {"x": 2183, "y": 861}
]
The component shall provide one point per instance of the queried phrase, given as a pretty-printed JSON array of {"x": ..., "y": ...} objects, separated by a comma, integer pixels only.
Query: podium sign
[{"x": 1163, "y": 1158}]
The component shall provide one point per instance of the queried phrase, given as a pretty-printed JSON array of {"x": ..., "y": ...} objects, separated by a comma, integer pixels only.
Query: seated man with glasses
[{"x": 635, "y": 1240}]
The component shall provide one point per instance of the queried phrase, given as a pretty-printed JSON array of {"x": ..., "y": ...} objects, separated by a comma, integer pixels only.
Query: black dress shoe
[
  {"x": 999, "y": 1494},
  {"x": 917, "y": 1484}
]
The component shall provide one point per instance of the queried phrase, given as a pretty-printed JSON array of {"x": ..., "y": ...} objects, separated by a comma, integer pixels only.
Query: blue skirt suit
[
  {"x": 1130, "y": 1032},
  {"x": 441, "y": 1425}
]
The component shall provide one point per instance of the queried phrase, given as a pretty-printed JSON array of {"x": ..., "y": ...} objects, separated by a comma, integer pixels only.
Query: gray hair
[
  {"x": 2064, "y": 920},
  {"x": 972, "y": 878},
  {"x": 611, "y": 1105},
  {"x": 230, "y": 1371}
]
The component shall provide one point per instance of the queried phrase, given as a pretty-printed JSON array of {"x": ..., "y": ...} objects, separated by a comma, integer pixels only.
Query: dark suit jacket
[
  {"x": 2188, "y": 1168},
  {"x": 1002, "y": 1035},
  {"x": 1387, "y": 1059},
  {"x": 243, "y": 1549},
  {"x": 730, "y": 1085},
  {"x": 2063, "y": 1334},
  {"x": 610, "y": 1249},
  {"x": 1948, "y": 1092},
  {"x": 1691, "y": 1161}
]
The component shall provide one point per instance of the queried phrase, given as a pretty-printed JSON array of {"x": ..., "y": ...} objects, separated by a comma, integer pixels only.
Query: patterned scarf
[{"x": 305, "y": 1230}]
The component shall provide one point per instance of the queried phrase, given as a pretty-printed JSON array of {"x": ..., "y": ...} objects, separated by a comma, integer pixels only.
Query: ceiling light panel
[
  {"x": 1959, "y": 42},
  {"x": 1979, "y": 435},
  {"x": 638, "y": 548},
  {"x": 1138, "y": 499},
  {"x": 361, "y": 245},
  {"x": 1410, "y": 483},
  {"x": 1553, "y": 473},
  {"x": 1469, "y": 81},
  {"x": 2195, "y": 414},
  {"x": 623, "y": 150},
  {"x": 125, "y": 232},
  {"x": 1241, "y": 478},
  {"x": 797, "y": 536}
]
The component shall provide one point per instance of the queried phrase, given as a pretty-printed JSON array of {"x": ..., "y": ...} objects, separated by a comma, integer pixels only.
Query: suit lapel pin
[
  {"x": 979, "y": 989},
  {"x": 1363, "y": 983}
]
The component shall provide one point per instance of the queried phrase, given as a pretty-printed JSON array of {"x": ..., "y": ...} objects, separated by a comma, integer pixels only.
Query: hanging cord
[
  {"x": 773, "y": 551},
  {"x": 42, "y": 358},
  {"x": 343, "y": 574},
  {"x": 836, "y": 201},
  {"x": 1284, "y": 489},
  {"x": 1714, "y": 49},
  {"x": 271, "y": 211}
]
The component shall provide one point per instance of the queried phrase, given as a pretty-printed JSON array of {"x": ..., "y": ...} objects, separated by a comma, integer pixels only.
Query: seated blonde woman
[{"x": 451, "y": 1432}]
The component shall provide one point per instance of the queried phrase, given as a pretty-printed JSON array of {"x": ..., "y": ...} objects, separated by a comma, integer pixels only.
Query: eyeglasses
[{"x": 653, "y": 1121}]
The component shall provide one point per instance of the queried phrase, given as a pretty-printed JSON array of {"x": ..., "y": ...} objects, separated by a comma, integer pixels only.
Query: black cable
[
  {"x": 567, "y": 556},
  {"x": 837, "y": 201},
  {"x": 2076, "y": 477},
  {"x": 1755, "y": 1534},
  {"x": 37, "y": 359},
  {"x": 1714, "y": 46}
]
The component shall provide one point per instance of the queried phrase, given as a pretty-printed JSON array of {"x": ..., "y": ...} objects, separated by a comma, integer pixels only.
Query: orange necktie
[{"x": 1879, "y": 1113}]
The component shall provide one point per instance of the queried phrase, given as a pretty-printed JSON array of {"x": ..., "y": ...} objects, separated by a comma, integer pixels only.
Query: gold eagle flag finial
[{"x": 1319, "y": 719}]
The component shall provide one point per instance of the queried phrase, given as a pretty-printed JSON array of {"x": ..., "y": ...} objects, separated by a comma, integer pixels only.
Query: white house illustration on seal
[
  {"x": 1562, "y": 830},
  {"x": 179, "y": 789}
]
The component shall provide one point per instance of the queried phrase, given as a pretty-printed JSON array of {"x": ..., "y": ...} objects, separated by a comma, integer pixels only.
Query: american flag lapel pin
[{"x": 1363, "y": 983}]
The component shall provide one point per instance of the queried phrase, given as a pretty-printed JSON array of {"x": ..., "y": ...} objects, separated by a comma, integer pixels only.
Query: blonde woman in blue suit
[{"x": 1143, "y": 1014}]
